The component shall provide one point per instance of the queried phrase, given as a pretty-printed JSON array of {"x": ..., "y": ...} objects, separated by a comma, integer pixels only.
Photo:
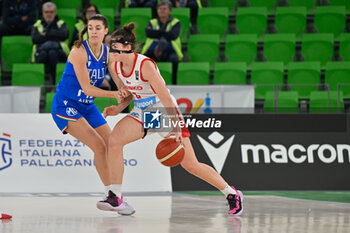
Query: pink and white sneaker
[
  {"x": 114, "y": 203},
  {"x": 235, "y": 201}
]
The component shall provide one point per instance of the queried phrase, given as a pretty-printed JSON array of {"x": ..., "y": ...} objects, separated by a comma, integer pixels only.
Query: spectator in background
[
  {"x": 18, "y": 17},
  {"x": 141, "y": 3},
  {"x": 194, "y": 5},
  {"x": 49, "y": 35},
  {"x": 163, "y": 37},
  {"x": 89, "y": 10}
]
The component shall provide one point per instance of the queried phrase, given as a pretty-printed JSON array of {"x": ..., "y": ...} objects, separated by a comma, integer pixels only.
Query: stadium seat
[
  {"x": 224, "y": 3},
  {"x": 326, "y": 102},
  {"x": 317, "y": 47},
  {"x": 337, "y": 76},
  {"x": 48, "y": 101},
  {"x": 213, "y": 20},
  {"x": 67, "y": 3},
  {"x": 290, "y": 20},
  {"x": 304, "y": 77},
  {"x": 283, "y": 43},
  {"x": 309, "y": 4},
  {"x": 267, "y": 76},
  {"x": 102, "y": 102},
  {"x": 193, "y": 73},
  {"x": 269, "y": 4},
  {"x": 241, "y": 47},
  {"x": 69, "y": 16},
  {"x": 109, "y": 13},
  {"x": 203, "y": 43},
  {"x": 281, "y": 101},
  {"x": 28, "y": 75},
  {"x": 15, "y": 49},
  {"x": 59, "y": 71},
  {"x": 330, "y": 19},
  {"x": 141, "y": 17},
  {"x": 107, "y": 4},
  {"x": 182, "y": 14},
  {"x": 230, "y": 73},
  {"x": 251, "y": 20},
  {"x": 344, "y": 47},
  {"x": 345, "y": 3},
  {"x": 166, "y": 70}
]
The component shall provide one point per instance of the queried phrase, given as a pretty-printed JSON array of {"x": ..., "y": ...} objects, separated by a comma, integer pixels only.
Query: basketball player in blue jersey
[
  {"x": 141, "y": 77},
  {"x": 73, "y": 107}
]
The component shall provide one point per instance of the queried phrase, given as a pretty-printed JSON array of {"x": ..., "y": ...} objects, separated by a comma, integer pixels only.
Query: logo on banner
[
  {"x": 151, "y": 120},
  {"x": 193, "y": 108},
  {"x": 71, "y": 111},
  {"x": 5, "y": 151},
  {"x": 217, "y": 155}
]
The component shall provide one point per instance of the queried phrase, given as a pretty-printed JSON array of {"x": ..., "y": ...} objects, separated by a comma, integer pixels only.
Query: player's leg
[{"x": 208, "y": 174}]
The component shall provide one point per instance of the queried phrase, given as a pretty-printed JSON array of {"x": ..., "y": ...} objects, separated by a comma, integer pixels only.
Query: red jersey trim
[{"x": 132, "y": 70}]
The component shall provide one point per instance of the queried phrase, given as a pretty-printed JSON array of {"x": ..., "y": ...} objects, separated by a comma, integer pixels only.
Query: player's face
[
  {"x": 96, "y": 31},
  {"x": 120, "y": 56}
]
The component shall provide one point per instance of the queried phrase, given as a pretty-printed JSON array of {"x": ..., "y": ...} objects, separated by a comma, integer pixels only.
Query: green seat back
[
  {"x": 141, "y": 18},
  {"x": 304, "y": 77},
  {"x": 67, "y": 3},
  {"x": 166, "y": 71},
  {"x": 344, "y": 47},
  {"x": 182, "y": 14},
  {"x": 28, "y": 75},
  {"x": 330, "y": 19},
  {"x": 48, "y": 101},
  {"x": 283, "y": 43},
  {"x": 345, "y": 3},
  {"x": 290, "y": 20},
  {"x": 251, "y": 20},
  {"x": 15, "y": 49},
  {"x": 59, "y": 71},
  {"x": 224, "y": 3},
  {"x": 106, "y": 4},
  {"x": 326, "y": 102},
  {"x": 241, "y": 47},
  {"x": 230, "y": 73},
  {"x": 281, "y": 101},
  {"x": 69, "y": 16},
  {"x": 213, "y": 20},
  {"x": 207, "y": 43},
  {"x": 337, "y": 76},
  {"x": 193, "y": 73},
  {"x": 269, "y": 4},
  {"x": 309, "y": 4},
  {"x": 317, "y": 47},
  {"x": 109, "y": 13},
  {"x": 266, "y": 76},
  {"x": 102, "y": 102}
]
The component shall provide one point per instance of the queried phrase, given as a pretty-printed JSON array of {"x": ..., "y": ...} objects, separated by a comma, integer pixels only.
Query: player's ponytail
[{"x": 79, "y": 42}]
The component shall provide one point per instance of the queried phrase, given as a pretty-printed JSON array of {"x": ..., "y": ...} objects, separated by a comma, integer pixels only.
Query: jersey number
[{"x": 137, "y": 96}]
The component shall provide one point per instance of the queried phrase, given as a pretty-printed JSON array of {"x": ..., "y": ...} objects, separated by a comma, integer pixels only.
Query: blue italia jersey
[{"x": 69, "y": 86}]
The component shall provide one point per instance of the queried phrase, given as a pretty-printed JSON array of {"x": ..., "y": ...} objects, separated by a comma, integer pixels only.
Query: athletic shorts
[
  {"x": 137, "y": 114},
  {"x": 64, "y": 110}
]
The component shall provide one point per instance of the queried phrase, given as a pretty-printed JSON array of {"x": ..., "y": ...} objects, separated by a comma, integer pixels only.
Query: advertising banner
[
  {"x": 274, "y": 152},
  {"x": 18, "y": 99},
  {"x": 36, "y": 157}
]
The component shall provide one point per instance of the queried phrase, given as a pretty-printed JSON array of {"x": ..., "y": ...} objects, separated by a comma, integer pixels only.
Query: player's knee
[
  {"x": 115, "y": 144},
  {"x": 100, "y": 148}
]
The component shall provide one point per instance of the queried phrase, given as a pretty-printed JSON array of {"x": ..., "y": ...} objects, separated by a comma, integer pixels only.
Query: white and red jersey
[{"x": 134, "y": 82}]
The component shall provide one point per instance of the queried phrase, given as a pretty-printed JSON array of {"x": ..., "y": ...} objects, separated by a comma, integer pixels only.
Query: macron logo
[{"x": 217, "y": 155}]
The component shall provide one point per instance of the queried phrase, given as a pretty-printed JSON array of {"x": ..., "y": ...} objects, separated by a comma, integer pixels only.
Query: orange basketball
[{"x": 169, "y": 152}]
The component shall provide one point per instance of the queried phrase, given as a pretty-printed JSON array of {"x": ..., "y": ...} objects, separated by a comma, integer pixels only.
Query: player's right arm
[{"x": 78, "y": 58}]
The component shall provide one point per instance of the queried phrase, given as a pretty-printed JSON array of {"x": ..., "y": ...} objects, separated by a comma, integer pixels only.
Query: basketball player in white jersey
[{"x": 141, "y": 77}]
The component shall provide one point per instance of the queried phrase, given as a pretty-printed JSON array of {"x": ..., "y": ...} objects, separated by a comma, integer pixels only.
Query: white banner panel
[
  {"x": 17, "y": 99},
  {"x": 36, "y": 157},
  {"x": 214, "y": 98}
]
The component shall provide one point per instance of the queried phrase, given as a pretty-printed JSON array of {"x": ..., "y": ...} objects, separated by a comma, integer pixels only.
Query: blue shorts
[{"x": 64, "y": 110}]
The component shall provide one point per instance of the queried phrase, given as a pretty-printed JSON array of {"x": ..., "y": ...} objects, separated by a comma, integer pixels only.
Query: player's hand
[
  {"x": 124, "y": 92},
  {"x": 176, "y": 133},
  {"x": 118, "y": 95},
  {"x": 110, "y": 111}
]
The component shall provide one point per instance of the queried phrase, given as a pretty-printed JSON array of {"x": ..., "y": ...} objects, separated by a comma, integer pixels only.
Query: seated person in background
[
  {"x": 49, "y": 35},
  {"x": 163, "y": 37},
  {"x": 90, "y": 10},
  {"x": 194, "y": 5},
  {"x": 141, "y": 3},
  {"x": 18, "y": 17}
]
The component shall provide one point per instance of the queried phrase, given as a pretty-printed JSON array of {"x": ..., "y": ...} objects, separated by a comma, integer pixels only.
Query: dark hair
[
  {"x": 88, "y": 6},
  {"x": 126, "y": 33},
  {"x": 166, "y": 3},
  {"x": 99, "y": 17}
]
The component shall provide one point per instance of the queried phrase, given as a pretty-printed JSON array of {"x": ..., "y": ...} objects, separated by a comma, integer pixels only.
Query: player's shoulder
[{"x": 77, "y": 53}]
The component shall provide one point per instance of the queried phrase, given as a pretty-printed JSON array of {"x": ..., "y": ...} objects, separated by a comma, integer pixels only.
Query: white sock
[
  {"x": 106, "y": 190},
  {"x": 116, "y": 189},
  {"x": 228, "y": 190}
]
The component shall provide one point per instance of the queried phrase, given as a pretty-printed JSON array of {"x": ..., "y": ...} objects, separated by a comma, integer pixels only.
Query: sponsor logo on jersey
[
  {"x": 145, "y": 102},
  {"x": 71, "y": 111},
  {"x": 137, "y": 88}
]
